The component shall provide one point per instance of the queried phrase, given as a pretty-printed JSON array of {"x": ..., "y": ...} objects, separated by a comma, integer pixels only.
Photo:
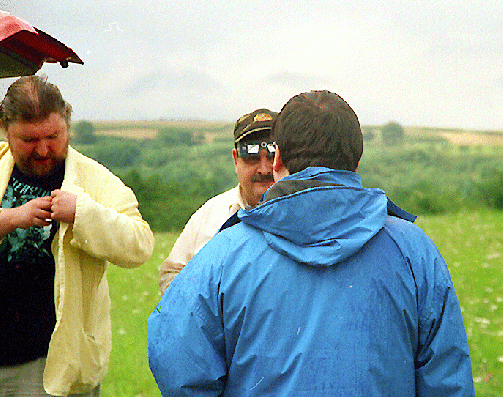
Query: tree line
[{"x": 177, "y": 171}]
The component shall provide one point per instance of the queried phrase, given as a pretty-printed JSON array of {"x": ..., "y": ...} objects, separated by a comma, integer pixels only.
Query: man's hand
[
  {"x": 63, "y": 206},
  {"x": 36, "y": 212}
]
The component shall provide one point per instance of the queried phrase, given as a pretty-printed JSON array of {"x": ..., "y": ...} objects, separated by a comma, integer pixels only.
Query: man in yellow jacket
[{"x": 63, "y": 218}]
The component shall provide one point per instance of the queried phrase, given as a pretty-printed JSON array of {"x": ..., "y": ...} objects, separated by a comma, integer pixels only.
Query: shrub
[
  {"x": 392, "y": 134},
  {"x": 114, "y": 152},
  {"x": 178, "y": 136},
  {"x": 368, "y": 134},
  {"x": 84, "y": 133},
  {"x": 491, "y": 189},
  {"x": 165, "y": 206}
]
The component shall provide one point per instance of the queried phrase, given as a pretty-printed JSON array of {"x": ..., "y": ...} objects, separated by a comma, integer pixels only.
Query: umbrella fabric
[{"x": 24, "y": 48}]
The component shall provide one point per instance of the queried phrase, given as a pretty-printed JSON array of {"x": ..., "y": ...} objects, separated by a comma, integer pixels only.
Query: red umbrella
[{"x": 24, "y": 48}]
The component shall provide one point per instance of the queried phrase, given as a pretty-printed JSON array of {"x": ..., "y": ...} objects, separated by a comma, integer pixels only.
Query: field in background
[
  {"x": 452, "y": 178},
  {"x": 220, "y": 129},
  {"x": 472, "y": 246},
  {"x": 459, "y": 136},
  {"x": 471, "y": 243},
  {"x": 180, "y": 164},
  {"x": 149, "y": 129},
  {"x": 134, "y": 294}
]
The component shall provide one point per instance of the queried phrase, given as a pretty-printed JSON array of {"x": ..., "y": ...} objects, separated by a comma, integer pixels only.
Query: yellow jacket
[{"x": 108, "y": 228}]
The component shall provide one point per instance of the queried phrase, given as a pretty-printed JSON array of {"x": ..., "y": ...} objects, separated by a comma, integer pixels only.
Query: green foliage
[
  {"x": 432, "y": 179},
  {"x": 114, "y": 152},
  {"x": 491, "y": 189},
  {"x": 424, "y": 176},
  {"x": 166, "y": 206},
  {"x": 427, "y": 139},
  {"x": 368, "y": 134},
  {"x": 424, "y": 197},
  {"x": 178, "y": 136},
  {"x": 84, "y": 133},
  {"x": 392, "y": 134}
]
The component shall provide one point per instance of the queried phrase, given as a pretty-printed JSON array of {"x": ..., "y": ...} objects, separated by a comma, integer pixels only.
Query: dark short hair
[
  {"x": 32, "y": 98},
  {"x": 318, "y": 129}
]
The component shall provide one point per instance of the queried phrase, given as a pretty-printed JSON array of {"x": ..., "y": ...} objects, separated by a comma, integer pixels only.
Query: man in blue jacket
[{"x": 317, "y": 291}]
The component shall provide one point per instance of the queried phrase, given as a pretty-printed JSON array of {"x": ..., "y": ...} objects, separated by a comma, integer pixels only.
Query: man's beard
[{"x": 43, "y": 170}]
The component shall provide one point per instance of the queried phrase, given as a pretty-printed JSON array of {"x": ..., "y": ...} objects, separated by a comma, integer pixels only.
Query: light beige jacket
[
  {"x": 201, "y": 227},
  {"x": 108, "y": 228}
]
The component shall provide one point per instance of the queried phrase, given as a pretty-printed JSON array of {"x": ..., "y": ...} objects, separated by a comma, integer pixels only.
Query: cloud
[
  {"x": 297, "y": 81},
  {"x": 186, "y": 79},
  {"x": 410, "y": 61}
]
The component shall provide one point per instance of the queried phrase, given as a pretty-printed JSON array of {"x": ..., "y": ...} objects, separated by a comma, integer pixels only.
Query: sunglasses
[{"x": 253, "y": 149}]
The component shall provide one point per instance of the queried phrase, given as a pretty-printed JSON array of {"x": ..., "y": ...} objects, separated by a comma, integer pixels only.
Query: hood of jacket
[{"x": 318, "y": 216}]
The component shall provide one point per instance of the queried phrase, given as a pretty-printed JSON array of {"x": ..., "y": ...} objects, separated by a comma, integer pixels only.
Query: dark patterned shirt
[{"x": 27, "y": 315}]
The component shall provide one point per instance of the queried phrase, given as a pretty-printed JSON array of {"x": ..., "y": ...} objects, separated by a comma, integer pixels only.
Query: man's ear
[
  {"x": 278, "y": 161},
  {"x": 278, "y": 168}
]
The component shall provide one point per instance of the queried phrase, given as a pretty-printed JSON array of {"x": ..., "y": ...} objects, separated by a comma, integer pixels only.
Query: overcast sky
[{"x": 423, "y": 63}]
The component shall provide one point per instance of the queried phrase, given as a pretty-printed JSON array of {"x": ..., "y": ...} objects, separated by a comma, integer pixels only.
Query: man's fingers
[
  {"x": 43, "y": 214},
  {"x": 44, "y": 203},
  {"x": 42, "y": 222}
]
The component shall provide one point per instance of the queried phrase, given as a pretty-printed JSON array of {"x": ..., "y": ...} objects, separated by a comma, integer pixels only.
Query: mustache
[
  {"x": 262, "y": 178},
  {"x": 39, "y": 158}
]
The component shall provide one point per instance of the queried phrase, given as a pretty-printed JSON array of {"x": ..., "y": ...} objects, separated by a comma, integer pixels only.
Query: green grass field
[{"x": 471, "y": 243}]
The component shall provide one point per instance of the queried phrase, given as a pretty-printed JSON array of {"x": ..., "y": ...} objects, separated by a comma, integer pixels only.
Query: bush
[
  {"x": 368, "y": 134},
  {"x": 177, "y": 136},
  {"x": 166, "y": 207},
  {"x": 392, "y": 134},
  {"x": 491, "y": 190},
  {"x": 114, "y": 152},
  {"x": 84, "y": 133}
]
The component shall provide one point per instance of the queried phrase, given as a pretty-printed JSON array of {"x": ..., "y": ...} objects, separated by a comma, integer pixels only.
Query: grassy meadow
[
  {"x": 134, "y": 294},
  {"x": 471, "y": 243}
]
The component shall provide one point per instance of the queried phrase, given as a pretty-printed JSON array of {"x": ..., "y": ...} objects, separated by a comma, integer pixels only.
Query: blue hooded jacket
[{"x": 316, "y": 292}]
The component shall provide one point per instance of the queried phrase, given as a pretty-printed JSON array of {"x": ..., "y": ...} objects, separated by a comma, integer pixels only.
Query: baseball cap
[{"x": 252, "y": 123}]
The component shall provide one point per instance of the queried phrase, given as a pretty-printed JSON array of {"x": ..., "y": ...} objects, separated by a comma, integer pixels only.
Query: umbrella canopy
[{"x": 24, "y": 48}]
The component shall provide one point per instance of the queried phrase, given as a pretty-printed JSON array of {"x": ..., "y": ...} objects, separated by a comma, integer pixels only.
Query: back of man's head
[
  {"x": 318, "y": 129},
  {"x": 32, "y": 98}
]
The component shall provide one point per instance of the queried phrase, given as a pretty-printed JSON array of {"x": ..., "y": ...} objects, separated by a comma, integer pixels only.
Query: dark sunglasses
[{"x": 253, "y": 149}]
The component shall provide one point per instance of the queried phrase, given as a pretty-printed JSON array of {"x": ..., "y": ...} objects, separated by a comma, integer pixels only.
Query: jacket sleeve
[
  {"x": 186, "y": 344},
  {"x": 443, "y": 365},
  {"x": 111, "y": 227},
  {"x": 201, "y": 227},
  {"x": 442, "y": 362},
  {"x": 182, "y": 252}
]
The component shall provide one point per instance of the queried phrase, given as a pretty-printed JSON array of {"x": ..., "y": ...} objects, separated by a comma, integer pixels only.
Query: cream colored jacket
[
  {"x": 108, "y": 228},
  {"x": 201, "y": 227}
]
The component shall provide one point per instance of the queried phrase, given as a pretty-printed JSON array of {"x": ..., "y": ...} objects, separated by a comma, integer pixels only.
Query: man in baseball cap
[{"x": 253, "y": 155}]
